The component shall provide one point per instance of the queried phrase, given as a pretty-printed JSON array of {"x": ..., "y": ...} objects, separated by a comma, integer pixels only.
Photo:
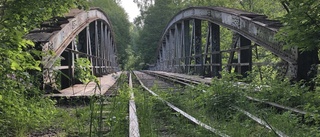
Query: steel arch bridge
[
  {"x": 181, "y": 49},
  {"x": 79, "y": 34}
]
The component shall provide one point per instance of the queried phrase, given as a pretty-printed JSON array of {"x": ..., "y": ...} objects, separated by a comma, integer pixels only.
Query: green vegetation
[
  {"x": 134, "y": 59},
  {"x": 22, "y": 107},
  {"x": 302, "y": 24},
  {"x": 83, "y": 71},
  {"x": 158, "y": 119},
  {"x": 117, "y": 120},
  {"x": 24, "y": 110},
  {"x": 120, "y": 26},
  {"x": 94, "y": 116},
  {"x": 150, "y": 26},
  {"x": 216, "y": 106}
]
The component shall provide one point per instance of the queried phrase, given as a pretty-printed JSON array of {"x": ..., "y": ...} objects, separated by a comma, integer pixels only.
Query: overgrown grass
[
  {"x": 215, "y": 107},
  {"x": 100, "y": 116},
  {"x": 22, "y": 109},
  {"x": 100, "y": 113},
  {"x": 118, "y": 118},
  {"x": 158, "y": 119},
  {"x": 290, "y": 94}
]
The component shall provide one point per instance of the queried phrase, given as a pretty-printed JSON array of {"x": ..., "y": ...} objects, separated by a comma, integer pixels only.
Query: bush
[{"x": 21, "y": 107}]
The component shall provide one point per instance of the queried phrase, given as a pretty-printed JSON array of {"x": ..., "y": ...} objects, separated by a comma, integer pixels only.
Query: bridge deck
[{"x": 89, "y": 89}]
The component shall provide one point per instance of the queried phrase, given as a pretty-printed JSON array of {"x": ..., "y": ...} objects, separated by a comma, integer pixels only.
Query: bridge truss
[
  {"x": 181, "y": 48},
  {"x": 79, "y": 34}
]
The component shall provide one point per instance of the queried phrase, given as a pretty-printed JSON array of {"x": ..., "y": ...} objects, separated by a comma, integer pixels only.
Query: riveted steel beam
[
  {"x": 186, "y": 45},
  {"x": 245, "y": 56},
  {"x": 248, "y": 26},
  {"x": 58, "y": 40},
  {"x": 214, "y": 39},
  {"x": 255, "y": 27},
  {"x": 80, "y": 34},
  {"x": 198, "y": 46}
]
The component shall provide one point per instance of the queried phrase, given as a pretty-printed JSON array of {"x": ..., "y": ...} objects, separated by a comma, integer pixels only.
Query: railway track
[
  {"x": 172, "y": 115},
  {"x": 192, "y": 82},
  {"x": 148, "y": 82}
]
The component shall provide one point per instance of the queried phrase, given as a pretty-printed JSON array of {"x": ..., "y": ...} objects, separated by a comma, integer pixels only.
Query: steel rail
[
  {"x": 279, "y": 106},
  {"x": 186, "y": 115},
  {"x": 178, "y": 80},
  {"x": 261, "y": 122},
  {"x": 133, "y": 118},
  {"x": 251, "y": 116}
]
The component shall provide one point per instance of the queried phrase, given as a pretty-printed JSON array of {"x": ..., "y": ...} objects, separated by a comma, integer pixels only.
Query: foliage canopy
[
  {"x": 22, "y": 108},
  {"x": 120, "y": 24},
  {"x": 301, "y": 24}
]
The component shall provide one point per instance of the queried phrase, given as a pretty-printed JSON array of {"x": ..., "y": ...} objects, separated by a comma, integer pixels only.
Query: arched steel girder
[
  {"x": 255, "y": 27},
  {"x": 89, "y": 30},
  {"x": 251, "y": 26},
  {"x": 58, "y": 41}
]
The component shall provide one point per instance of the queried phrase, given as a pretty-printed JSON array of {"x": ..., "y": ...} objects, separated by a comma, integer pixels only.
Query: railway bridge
[
  {"x": 182, "y": 47},
  {"x": 79, "y": 34}
]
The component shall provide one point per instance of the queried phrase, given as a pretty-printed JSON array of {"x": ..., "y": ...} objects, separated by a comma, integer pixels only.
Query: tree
[
  {"x": 301, "y": 24},
  {"x": 154, "y": 21},
  {"x": 302, "y": 29},
  {"x": 22, "y": 106},
  {"x": 120, "y": 24}
]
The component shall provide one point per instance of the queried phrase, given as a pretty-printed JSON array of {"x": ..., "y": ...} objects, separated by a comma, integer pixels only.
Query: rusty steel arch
[
  {"x": 80, "y": 33},
  {"x": 247, "y": 27}
]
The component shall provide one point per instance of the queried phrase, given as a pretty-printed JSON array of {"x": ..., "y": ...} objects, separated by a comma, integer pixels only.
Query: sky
[{"x": 131, "y": 8}]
